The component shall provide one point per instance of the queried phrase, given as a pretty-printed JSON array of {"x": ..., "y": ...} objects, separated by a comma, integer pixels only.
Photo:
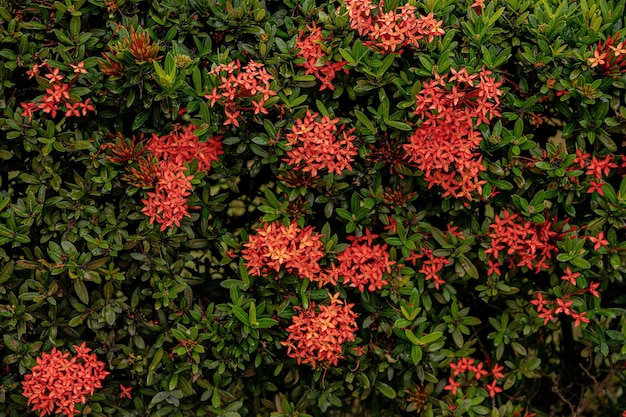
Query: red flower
[
  {"x": 452, "y": 385},
  {"x": 126, "y": 392},
  {"x": 599, "y": 241},
  {"x": 362, "y": 264},
  {"x": 276, "y": 246},
  {"x": 317, "y": 337},
  {"x": 167, "y": 205},
  {"x": 390, "y": 31},
  {"x": 444, "y": 144},
  {"x": 493, "y": 388},
  {"x": 58, "y": 381},
  {"x": 239, "y": 87},
  {"x": 570, "y": 276},
  {"x": 317, "y": 62},
  {"x": 319, "y": 145}
]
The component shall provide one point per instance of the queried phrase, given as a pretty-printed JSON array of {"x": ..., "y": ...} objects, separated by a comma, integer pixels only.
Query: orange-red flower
[
  {"x": 317, "y": 335},
  {"x": 318, "y": 144},
  {"x": 521, "y": 243},
  {"x": 57, "y": 95},
  {"x": 608, "y": 57},
  {"x": 444, "y": 146},
  {"x": 363, "y": 264},
  {"x": 241, "y": 88},
  {"x": 126, "y": 392},
  {"x": 58, "y": 382},
  {"x": 317, "y": 62},
  {"x": 290, "y": 248},
  {"x": 167, "y": 205},
  {"x": 390, "y": 31}
]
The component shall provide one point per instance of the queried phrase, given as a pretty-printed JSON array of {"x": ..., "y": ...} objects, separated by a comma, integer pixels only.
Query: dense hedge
[{"x": 290, "y": 208}]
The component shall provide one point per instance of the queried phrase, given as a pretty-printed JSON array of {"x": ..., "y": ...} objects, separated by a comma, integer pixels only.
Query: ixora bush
[{"x": 299, "y": 208}]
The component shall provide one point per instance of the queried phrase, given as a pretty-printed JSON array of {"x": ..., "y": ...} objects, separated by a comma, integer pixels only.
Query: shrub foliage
[{"x": 299, "y": 208}]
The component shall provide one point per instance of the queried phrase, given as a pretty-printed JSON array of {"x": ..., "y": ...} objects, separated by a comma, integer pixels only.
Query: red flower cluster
[
  {"x": 181, "y": 146},
  {"x": 317, "y": 62},
  {"x": 547, "y": 309},
  {"x": 317, "y": 337},
  {"x": 444, "y": 144},
  {"x": 362, "y": 264},
  {"x": 167, "y": 205},
  {"x": 597, "y": 167},
  {"x": 319, "y": 144},
  {"x": 236, "y": 84},
  {"x": 58, "y": 382},
  {"x": 466, "y": 372},
  {"x": 58, "y": 95},
  {"x": 393, "y": 30},
  {"x": 522, "y": 243},
  {"x": 431, "y": 265},
  {"x": 276, "y": 247},
  {"x": 610, "y": 57}
]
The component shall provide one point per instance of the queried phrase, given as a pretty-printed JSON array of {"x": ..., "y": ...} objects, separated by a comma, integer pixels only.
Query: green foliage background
[{"x": 80, "y": 262}]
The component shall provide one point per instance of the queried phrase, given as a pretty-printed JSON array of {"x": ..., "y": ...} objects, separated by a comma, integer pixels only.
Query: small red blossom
[
  {"x": 241, "y": 88},
  {"x": 452, "y": 385},
  {"x": 126, "y": 392},
  {"x": 600, "y": 167},
  {"x": 596, "y": 186},
  {"x": 608, "y": 57},
  {"x": 390, "y": 31},
  {"x": 599, "y": 241},
  {"x": 493, "y": 388},
  {"x": 444, "y": 146},
  {"x": 570, "y": 276},
  {"x": 520, "y": 242},
  {"x": 431, "y": 265},
  {"x": 167, "y": 205}
]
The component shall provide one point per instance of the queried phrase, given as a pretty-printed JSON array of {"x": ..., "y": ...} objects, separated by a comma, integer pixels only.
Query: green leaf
[
  {"x": 265, "y": 323},
  {"x": 468, "y": 266},
  {"x": 365, "y": 121},
  {"x": 140, "y": 120},
  {"x": 430, "y": 338},
  {"x": 581, "y": 263},
  {"x": 196, "y": 78},
  {"x": 398, "y": 125},
  {"x": 81, "y": 291},
  {"x": 75, "y": 26},
  {"x": 240, "y": 314},
  {"x": 412, "y": 338},
  {"x": 385, "y": 389}
]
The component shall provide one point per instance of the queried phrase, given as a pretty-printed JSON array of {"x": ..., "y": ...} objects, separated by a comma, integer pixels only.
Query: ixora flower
[
  {"x": 363, "y": 264},
  {"x": 291, "y": 248},
  {"x": 316, "y": 61},
  {"x": 390, "y": 31},
  {"x": 167, "y": 205},
  {"x": 317, "y": 335},
  {"x": 58, "y": 382},
  {"x": 58, "y": 95},
  {"x": 319, "y": 144},
  {"x": 445, "y": 144}
]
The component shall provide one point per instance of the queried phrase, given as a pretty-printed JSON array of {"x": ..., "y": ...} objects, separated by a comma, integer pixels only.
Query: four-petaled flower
[{"x": 125, "y": 392}]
